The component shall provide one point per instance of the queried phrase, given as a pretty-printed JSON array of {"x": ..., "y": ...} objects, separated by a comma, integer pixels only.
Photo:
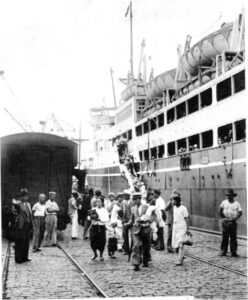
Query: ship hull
[{"x": 202, "y": 187}]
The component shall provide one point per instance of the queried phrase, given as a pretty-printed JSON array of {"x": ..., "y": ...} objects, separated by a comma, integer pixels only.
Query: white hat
[{"x": 127, "y": 192}]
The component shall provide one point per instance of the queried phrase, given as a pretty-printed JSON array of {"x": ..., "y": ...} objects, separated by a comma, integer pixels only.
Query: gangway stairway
[{"x": 128, "y": 176}]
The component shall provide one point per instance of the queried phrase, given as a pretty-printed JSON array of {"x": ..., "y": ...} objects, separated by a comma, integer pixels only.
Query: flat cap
[
  {"x": 136, "y": 195},
  {"x": 52, "y": 193}
]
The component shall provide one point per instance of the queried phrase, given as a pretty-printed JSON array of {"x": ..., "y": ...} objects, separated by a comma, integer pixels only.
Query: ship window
[
  {"x": 239, "y": 82},
  {"x": 193, "y": 104},
  {"x": 171, "y": 148},
  {"x": 170, "y": 115},
  {"x": 225, "y": 134},
  {"x": 160, "y": 120},
  {"x": 206, "y": 98},
  {"x": 153, "y": 124},
  {"x": 139, "y": 130},
  {"x": 154, "y": 152},
  {"x": 224, "y": 89},
  {"x": 141, "y": 155},
  {"x": 124, "y": 135},
  {"x": 240, "y": 130},
  {"x": 194, "y": 142},
  {"x": 146, "y": 154},
  {"x": 181, "y": 110},
  {"x": 145, "y": 127},
  {"x": 160, "y": 151},
  {"x": 129, "y": 134},
  {"x": 207, "y": 139},
  {"x": 182, "y": 146},
  {"x": 141, "y": 104},
  {"x": 171, "y": 94}
]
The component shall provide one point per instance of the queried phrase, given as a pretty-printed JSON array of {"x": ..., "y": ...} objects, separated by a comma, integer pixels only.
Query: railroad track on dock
[
  {"x": 219, "y": 235},
  {"x": 100, "y": 293},
  {"x": 208, "y": 262},
  {"x": 5, "y": 267},
  {"x": 216, "y": 265}
]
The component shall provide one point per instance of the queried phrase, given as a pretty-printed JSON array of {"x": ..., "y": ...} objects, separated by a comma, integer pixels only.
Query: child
[
  {"x": 156, "y": 218},
  {"x": 112, "y": 240}
]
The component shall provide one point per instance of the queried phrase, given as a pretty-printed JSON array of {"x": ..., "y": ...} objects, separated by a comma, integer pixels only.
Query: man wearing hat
[
  {"x": 15, "y": 209},
  {"x": 86, "y": 206},
  {"x": 141, "y": 231},
  {"x": 23, "y": 227},
  {"x": 80, "y": 200},
  {"x": 160, "y": 204},
  {"x": 126, "y": 208},
  {"x": 169, "y": 219},
  {"x": 73, "y": 213},
  {"x": 230, "y": 211},
  {"x": 50, "y": 237}
]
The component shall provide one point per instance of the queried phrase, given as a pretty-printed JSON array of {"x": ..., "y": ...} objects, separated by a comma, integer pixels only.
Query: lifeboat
[
  {"x": 133, "y": 90},
  {"x": 161, "y": 82},
  {"x": 201, "y": 54}
]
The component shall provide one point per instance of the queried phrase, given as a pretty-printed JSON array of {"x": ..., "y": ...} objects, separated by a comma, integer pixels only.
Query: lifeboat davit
[{"x": 204, "y": 51}]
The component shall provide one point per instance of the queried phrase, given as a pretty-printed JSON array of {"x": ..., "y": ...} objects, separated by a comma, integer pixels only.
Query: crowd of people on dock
[{"x": 131, "y": 223}]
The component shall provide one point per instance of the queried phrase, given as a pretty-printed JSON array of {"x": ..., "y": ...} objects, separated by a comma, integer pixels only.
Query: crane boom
[{"x": 14, "y": 119}]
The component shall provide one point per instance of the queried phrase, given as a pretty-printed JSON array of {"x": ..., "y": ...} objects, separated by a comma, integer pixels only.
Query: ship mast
[
  {"x": 131, "y": 75},
  {"x": 131, "y": 38},
  {"x": 113, "y": 87}
]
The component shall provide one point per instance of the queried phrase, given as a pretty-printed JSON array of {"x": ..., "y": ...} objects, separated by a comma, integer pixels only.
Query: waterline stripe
[{"x": 196, "y": 166}]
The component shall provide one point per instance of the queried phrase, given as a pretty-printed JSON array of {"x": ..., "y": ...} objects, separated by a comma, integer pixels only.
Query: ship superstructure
[{"x": 185, "y": 129}]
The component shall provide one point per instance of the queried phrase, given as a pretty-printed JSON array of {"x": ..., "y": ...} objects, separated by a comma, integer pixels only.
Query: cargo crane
[
  {"x": 53, "y": 124},
  {"x": 15, "y": 119},
  {"x": 22, "y": 122}
]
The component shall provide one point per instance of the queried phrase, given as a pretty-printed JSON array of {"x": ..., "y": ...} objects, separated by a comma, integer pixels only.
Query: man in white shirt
[
  {"x": 39, "y": 210},
  {"x": 160, "y": 205},
  {"x": 73, "y": 213},
  {"x": 52, "y": 208},
  {"x": 230, "y": 211}
]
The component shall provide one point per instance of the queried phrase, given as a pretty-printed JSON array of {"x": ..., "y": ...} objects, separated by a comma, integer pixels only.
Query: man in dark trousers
[
  {"x": 81, "y": 213},
  {"x": 23, "y": 228},
  {"x": 230, "y": 211},
  {"x": 86, "y": 206},
  {"x": 141, "y": 232},
  {"x": 126, "y": 209}
]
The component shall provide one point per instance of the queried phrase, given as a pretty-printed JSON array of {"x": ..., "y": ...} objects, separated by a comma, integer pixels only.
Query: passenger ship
[{"x": 184, "y": 129}]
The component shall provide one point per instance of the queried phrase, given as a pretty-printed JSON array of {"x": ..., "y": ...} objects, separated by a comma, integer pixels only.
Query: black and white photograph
[{"x": 123, "y": 149}]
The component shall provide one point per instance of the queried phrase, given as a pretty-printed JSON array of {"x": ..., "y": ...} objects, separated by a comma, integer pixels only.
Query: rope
[{"x": 210, "y": 27}]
